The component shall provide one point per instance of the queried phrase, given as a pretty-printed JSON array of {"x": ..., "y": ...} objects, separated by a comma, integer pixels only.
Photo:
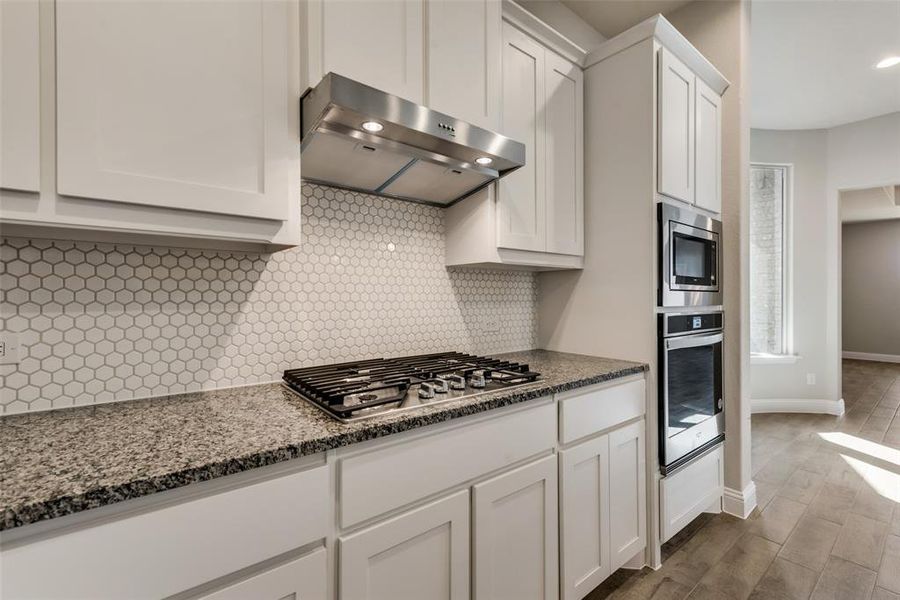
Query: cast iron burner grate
[{"x": 360, "y": 389}]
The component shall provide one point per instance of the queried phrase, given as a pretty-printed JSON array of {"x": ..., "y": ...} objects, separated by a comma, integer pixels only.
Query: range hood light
[
  {"x": 372, "y": 126},
  {"x": 484, "y": 160},
  {"x": 888, "y": 62}
]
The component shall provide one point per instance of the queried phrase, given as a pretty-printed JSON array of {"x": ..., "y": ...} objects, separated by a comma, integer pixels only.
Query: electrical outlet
[
  {"x": 9, "y": 348},
  {"x": 810, "y": 379},
  {"x": 489, "y": 325}
]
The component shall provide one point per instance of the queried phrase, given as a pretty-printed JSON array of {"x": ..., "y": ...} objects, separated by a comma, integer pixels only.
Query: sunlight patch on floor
[
  {"x": 873, "y": 449},
  {"x": 885, "y": 483}
]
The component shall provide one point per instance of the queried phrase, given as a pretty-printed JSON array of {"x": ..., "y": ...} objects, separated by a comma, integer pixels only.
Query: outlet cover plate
[{"x": 9, "y": 348}]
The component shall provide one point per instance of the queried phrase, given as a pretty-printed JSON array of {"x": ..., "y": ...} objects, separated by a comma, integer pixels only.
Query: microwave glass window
[
  {"x": 694, "y": 385},
  {"x": 690, "y": 257}
]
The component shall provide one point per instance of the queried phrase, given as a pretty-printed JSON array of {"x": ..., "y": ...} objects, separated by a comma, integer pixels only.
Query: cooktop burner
[{"x": 357, "y": 390}]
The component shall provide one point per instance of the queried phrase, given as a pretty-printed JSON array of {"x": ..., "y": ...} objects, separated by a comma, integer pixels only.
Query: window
[{"x": 769, "y": 213}]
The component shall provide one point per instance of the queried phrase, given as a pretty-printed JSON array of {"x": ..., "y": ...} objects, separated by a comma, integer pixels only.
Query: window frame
[{"x": 787, "y": 354}]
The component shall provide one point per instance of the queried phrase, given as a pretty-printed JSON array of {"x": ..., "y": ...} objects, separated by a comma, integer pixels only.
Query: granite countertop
[{"x": 66, "y": 461}]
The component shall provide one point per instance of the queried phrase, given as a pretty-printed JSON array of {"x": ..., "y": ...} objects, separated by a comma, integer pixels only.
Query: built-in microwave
[{"x": 690, "y": 253}]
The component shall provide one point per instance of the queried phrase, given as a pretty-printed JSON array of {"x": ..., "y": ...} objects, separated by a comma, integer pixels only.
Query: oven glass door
[
  {"x": 694, "y": 258},
  {"x": 693, "y": 383}
]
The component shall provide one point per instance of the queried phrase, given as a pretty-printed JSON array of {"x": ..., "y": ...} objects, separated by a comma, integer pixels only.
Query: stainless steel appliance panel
[{"x": 690, "y": 258}]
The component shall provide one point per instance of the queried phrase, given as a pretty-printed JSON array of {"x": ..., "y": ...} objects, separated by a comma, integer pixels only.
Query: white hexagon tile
[{"x": 100, "y": 322}]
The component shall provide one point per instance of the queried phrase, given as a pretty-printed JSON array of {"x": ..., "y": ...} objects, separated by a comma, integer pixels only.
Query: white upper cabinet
[
  {"x": 183, "y": 105},
  {"x": 534, "y": 216},
  {"x": 376, "y": 42},
  {"x": 689, "y": 136},
  {"x": 676, "y": 128},
  {"x": 522, "y": 196},
  {"x": 709, "y": 148},
  {"x": 515, "y": 524},
  {"x": 20, "y": 119},
  {"x": 564, "y": 150},
  {"x": 463, "y": 59}
]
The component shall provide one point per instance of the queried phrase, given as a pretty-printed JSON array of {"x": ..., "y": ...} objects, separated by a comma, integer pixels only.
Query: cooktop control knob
[
  {"x": 477, "y": 380},
  {"x": 426, "y": 391},
  {"x": 440, "y": 385},
  {"x": 457, "y": 382}
]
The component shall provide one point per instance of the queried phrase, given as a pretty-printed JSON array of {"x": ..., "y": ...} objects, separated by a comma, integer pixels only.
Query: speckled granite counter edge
[{"x": 103, "y": 496}]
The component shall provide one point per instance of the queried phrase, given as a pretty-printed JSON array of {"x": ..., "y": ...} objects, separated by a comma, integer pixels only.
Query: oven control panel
[{"x": 676, "y": 324}]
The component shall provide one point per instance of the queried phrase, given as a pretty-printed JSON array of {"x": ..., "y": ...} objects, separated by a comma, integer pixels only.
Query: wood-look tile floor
[{"x": 826, "y": 525}]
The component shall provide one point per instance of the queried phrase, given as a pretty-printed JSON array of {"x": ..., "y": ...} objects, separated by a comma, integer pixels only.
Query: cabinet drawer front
[
  {"x": 594, "y": 409},
  {"x": 303, "y": 579},
  {"x": 166, "y": 551},
  {"x": 378, "y": 481},
  {"x": 687, "y": 493}
]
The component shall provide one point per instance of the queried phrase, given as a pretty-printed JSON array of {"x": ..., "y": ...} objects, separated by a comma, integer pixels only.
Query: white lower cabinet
[
  {"x": 685, "y": 494},
  {"x": 515, "y": 534},
  {"x": 423, "y": 553},
  {"x": 584, "y": 516},
  {"x": 628, "y": 483},
  {"x": 603, "y": 495},
  {"x": 305, "y": 578}
]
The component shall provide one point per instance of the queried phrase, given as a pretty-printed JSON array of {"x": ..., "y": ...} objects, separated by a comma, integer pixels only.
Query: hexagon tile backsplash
[{"x": 101, "y": 322}]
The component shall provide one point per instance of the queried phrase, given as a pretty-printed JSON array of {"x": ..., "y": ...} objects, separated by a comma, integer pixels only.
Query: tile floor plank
[
  {"x": 811, "y": 542},
  {"x": 843, "y": 580},
  {"x": 861, "y": 541}
]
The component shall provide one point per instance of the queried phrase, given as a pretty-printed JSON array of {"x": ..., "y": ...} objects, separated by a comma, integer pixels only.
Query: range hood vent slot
[{"x": 409, "y": 152}]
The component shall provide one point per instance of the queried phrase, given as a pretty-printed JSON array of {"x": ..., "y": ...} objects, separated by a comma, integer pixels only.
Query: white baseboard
[
  {"x": 797, "y": 405},
  {"x": 891, "y": 358},
  {"x": 739, "y": 503}
]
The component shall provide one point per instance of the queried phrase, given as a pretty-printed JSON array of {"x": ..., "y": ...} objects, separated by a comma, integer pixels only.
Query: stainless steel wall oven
[
  {"x": 691, "y": 407},
  {"x": 690, "y": 258}
]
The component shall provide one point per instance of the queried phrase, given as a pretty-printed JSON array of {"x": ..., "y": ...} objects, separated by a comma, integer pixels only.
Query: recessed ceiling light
[
  {"x": 484, "y": 160},
  {"x": 890, "y": 61},
  {"x": 372, "y": 126}
]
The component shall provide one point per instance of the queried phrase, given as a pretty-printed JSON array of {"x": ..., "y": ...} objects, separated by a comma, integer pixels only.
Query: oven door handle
[{"x": 692, "y": 341}]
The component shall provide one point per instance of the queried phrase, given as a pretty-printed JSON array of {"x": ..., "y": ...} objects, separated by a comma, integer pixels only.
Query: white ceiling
[
  {"x": 812, "y": 62},
  {"x": 612, "y": 17},
  {"x": 871, "y": 204}
]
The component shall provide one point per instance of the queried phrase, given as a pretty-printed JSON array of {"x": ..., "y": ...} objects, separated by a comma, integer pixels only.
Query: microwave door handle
[{"x": 692, "y": 341}]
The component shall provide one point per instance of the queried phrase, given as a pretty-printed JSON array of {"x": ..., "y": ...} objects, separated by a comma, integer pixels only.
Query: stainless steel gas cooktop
[{"x": 358, "y": 390}]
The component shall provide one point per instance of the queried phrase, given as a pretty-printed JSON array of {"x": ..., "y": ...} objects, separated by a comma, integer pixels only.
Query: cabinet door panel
[
  {"x": 376, "y": 42},
  {"x": 676, "y": 128},
  {"x": 515, "y": 525},
  {"x": 303, "y": 579},
  {"x": 20, "y": 125},
  {"x": 521, "y": 203},
  {"x": 709, "y": 148},
  {"x": 565, "y": 135},
  {"x": 584, "y": 478},
  {"x": 627, "y": 516},
  {"x": 464, "y": 40},
  {"x": 179, "y": 104},
  {"x": 423, "y": 553}
]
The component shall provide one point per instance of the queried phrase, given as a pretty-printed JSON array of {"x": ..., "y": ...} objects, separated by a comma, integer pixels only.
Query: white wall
[
  {"x": 806, "y": 151},
  {"x": 856, "y": 155},
  {"x": 564, "y": 20},
  {"x": 871, "y": 287}
]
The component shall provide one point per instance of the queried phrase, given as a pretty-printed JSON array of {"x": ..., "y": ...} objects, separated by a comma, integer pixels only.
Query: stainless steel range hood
[{"x": 360, "y": 138}]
